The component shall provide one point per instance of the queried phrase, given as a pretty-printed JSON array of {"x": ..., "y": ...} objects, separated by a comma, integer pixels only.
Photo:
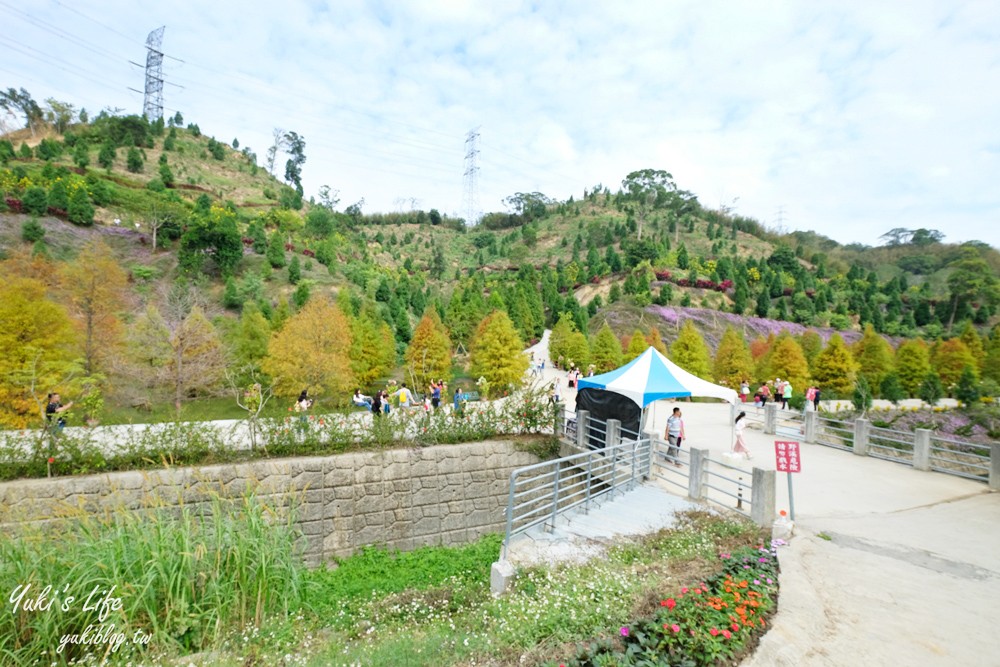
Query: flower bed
[{"x": 715, "y": 622}]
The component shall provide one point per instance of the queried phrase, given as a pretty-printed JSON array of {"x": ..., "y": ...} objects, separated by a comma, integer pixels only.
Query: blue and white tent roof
[{"x": 651, "y": 376}]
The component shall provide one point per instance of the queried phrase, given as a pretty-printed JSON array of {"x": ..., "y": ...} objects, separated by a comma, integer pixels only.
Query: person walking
[
  {"x": 740, "y": 446},
  {"x": 744, "y": 390},
  {"x": 786, "y": 394},
  {"x": 816, "y": 399},
  {"x": 778, "y": 387},
  {"x": 405, "y": 396},
  {"x": 675, "y": 435}
]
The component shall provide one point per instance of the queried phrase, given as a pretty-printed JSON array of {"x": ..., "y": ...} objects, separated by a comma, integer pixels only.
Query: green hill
[{"x": 623, "y": 255}]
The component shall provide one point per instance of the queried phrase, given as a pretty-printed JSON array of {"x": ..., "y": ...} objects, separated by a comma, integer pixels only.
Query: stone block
[
  {"x": 308, "y": 480},
  {"x": 502, "y": 574}
]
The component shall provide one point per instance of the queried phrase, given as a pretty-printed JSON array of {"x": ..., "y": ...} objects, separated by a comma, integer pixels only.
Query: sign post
[{"x": 786, "y": 460}]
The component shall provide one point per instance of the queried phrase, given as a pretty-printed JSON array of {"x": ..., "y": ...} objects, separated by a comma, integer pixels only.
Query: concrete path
[
  {"x": 580, "y": 536},
  {"x": 889, "y": 565}
]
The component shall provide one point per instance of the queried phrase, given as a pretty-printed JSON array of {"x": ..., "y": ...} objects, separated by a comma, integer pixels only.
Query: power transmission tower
[
  {"x": 780, "y": 219},
  {"x": 153, "y": 103},
  {"x": 470, "y": 194}
]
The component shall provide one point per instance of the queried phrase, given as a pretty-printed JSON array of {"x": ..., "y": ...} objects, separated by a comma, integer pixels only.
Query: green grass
[{"x": 186, "y": 579}]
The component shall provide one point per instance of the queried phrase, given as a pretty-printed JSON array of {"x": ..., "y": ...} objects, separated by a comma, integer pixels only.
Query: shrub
[
  {"x": 35, "y": 200},
  {"x": 81, "y": 210},
  {"x": 134, "y": 161},
  {"x": 32, "y": 231},
  {"x": 59, "y": 195}
]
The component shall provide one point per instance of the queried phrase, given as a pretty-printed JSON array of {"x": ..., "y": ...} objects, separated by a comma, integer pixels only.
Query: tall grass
[{"x": 185, "y": 577}]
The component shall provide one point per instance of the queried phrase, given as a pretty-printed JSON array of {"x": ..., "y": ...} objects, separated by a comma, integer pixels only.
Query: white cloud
[{"x": 853, "y": 118}]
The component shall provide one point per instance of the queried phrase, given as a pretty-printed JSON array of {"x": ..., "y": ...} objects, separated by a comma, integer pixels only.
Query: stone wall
[{"x": 401, "y": 498}]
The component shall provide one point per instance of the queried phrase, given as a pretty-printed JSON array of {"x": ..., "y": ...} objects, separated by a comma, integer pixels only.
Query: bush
[
  {"x": 81, "y": 210},
  {"x": 967, "y": 390},
  {"x": 32, "y": 231},
  {"x": 59, "y": 195},
  {"x": 35, "y": 200},
  {"x": 134, "y": 161},
  {"x": 931, "y": 391}
]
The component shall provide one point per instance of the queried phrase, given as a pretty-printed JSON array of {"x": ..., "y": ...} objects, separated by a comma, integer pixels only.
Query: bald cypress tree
[
  {"x": 835, "y": 369},
  {"x": 690, "y": 352},
  {"x": 606, "y": 350}
]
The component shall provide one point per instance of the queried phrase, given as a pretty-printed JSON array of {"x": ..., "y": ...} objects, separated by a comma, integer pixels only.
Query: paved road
[{"x": 888, "y": 566}]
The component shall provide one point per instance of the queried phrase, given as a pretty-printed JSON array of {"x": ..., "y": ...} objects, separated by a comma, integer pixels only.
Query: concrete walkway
[
  {"x": 888, "y": 566},
  {"x": 580, "y": 536}
]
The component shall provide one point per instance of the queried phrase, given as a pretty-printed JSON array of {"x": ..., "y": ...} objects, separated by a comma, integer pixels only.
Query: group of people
[
  {"x": 381, "y": 403},
  {"x": 781, "y": 394}
]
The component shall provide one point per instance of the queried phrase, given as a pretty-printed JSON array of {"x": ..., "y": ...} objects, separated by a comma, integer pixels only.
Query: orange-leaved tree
[{"x": 312, "y": 352}]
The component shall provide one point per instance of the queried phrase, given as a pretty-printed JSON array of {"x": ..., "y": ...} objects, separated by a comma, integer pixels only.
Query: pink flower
[
  {"x": 714, "y": 632},
  {"x": 675, "y": 627},
  {"x": 684, "y": 590},
  {"x": 727, "y": 634},
  {"x": 624, "y": 632}
]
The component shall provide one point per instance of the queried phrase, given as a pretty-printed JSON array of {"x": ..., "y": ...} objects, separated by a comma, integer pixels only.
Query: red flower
[
  {"x": 714, "y": 632},
  {"x": 727, "y": 634},
  {"x": 669, "y": 603},
  {"x": 51, "y": 460}
]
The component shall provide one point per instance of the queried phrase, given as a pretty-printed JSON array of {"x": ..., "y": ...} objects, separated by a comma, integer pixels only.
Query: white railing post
[
  {"x": 582, "y": 428},
  {"x": 770, "y": 418},
  {"x": 809, "y": 431},
  {"x": 696, "y": 476},
  {"x": 861, "y": 437},
  {"x": 922, "y": 449},
  {"x": 763, "y": 497}
]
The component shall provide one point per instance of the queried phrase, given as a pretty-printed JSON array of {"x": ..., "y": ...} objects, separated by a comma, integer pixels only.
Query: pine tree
[
  {"x": 949, "y": 360},
  {"x": 276, "y": 250},
  {"x": 636, "y": 346},
  {"x": 690, "y": 352},
  {"x": 913, "y": 362},
  {"x": 428, "y": 356},
  {"x": 874, "y": 357},
  {"x": 294, "y": 270},
  {"x": 230, "y": 295},
  {"x": 835, "y": 369},
  {"x": 106, "y": 156},
  {"x": 733, "y": 363},
  {"x": 763, "y": 302},
  {"x": 967, "y": 390},
  {"x": 559, "y": 339},
  {"x": 282, "y": 312},
  {"x": 497, "y": 353},
  {"x": 606, "y": 350},
  {"x": 312, "y": 352},
  {"x": 891, "y": 389}
]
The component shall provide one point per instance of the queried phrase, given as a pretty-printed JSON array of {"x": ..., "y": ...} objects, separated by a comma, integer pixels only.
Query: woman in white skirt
[{"x": 740, "y": 446}]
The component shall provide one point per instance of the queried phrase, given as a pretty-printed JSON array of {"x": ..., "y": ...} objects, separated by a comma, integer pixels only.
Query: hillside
[{"x": 175, "y": 207}]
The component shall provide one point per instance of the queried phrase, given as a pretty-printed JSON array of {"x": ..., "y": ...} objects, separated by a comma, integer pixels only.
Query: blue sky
[{"x": 847, "y": 118}]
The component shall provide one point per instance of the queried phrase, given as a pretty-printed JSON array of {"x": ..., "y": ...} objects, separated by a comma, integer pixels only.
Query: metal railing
[
  {"x": 956, "y": 457},
  {"x": 673, "y": 470},
  {"x": 739, "y": 488},
  {"x": 541, "y": 492},
  {"x": 891, "y": 445},
  {"x": 835, "y": 433}
]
